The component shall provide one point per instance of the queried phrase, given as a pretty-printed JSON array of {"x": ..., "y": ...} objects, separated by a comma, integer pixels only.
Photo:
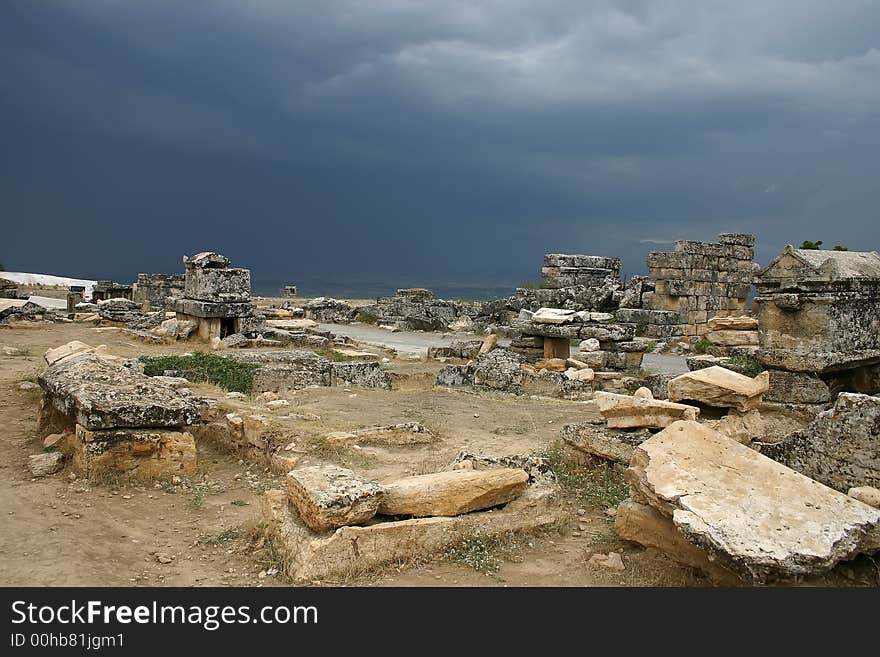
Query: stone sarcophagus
[{"x": 819, "y": 311}]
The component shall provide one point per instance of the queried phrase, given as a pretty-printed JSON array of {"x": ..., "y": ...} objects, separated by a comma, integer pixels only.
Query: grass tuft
[{"x": 599, "y": 484}]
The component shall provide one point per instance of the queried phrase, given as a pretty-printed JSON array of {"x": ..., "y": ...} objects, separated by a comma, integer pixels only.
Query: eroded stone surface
[
  {"x": 605, "y": 443},
  {"x": 99, "y": 394},
  {"x": 327, "y": 496},
  {"x": 142, "y": 454},
  {"x": 759, "y": 518}
]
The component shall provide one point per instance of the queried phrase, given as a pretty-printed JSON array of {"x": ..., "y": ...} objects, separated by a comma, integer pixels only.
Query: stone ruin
[
  {"x": 216, "y": 296},
  {"x": 8, "y": 289},
  {"x": 288, "y": 291},
  {"x": 158, "y": 291},
  {"x": 104, "y": 290},
  {"x": 102, "y": 413},
  {"x": 329, "y": 522},
  {"x": 819, "y": 319},
  {"x": 412, "y": 309},
  {"x": 697, "y": 281}
]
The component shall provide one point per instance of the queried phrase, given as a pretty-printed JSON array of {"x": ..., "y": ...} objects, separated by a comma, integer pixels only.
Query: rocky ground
[{"x": 60, "y": 530}]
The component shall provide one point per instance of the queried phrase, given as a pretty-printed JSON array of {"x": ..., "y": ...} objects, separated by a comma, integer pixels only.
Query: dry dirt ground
[{"x": 63, "y": 531}]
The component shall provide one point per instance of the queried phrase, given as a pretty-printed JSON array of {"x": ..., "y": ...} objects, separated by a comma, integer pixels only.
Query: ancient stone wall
[{"x": 696, "y": 281}]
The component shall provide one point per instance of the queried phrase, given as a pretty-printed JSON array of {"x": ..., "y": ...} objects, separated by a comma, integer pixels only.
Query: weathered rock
[
  {"x": 41, "y": 465},
  {"x": 538, "y": 468},
  {"x": 27, "y": 386},
  {"x": 452, "y": 493},
  {"x": 456, "y": 375},
  {"x": 141, "y": 454},
  {"x": 658, "y": 384},
  {"x": 488, "y": 344},
  {"x": 841, "y": 448},
  {"x": 718, "y": 386},
  {"x": 741, "y": 323},
  {"x": 584, "y": 374},
  {"x": 757, "y": 517},
  {"x": 610, "y": 444},
  {"x": 612, "y": 560},
  {"x": 595, "y": 360},
  {"x": 179, "y": 329},
  {"x": 99, "y": 394},
  {"x": 468, "y": 349},
  {"x": 590, "y": 344},
  {"x": 327, "y": 496},
  {"x": 641, "y": 410},
  {"x": 866, "y": 494},
  {"x": 499, "y": 369},
  {"x": 366, "y": 374}
]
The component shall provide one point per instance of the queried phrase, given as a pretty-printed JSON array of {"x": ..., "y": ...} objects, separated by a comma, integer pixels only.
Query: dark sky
[{"x": 434, "y": 142}]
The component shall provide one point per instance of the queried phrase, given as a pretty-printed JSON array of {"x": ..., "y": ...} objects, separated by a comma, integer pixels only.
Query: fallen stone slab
[
  {"x": 585, "y": 374},
  {"x": 719, "y": 386},
  {"x": 646, "y": 526},
  {"x": 401, "y": 434},
  {"x": 743, "y": 323},
  {"x": 753, "y": 515},
  {"x": 641, "y": 410},
  {"x": 452, "y": 493},
  {"x": 597, "y": 440},
  {"x": 140, "y": 454},
  {"x": 840, "y": 448},
  {"x": 96, "y": 393},
  {"x": 327, "y": 496},
  {"x": 309, "y": 557},
  {"x": 292, "y": 324},
  {"x": 42, "y": 465}
]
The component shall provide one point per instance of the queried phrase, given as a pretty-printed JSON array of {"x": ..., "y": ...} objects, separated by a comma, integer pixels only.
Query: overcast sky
[{"x": 433, "y": 142}]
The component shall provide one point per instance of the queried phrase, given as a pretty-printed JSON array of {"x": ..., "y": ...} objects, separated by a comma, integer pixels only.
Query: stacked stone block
[
  {"x": 157, "y": 290},
  {"x": 696, "y": 281},
  {"x": 561, "y": 270}
]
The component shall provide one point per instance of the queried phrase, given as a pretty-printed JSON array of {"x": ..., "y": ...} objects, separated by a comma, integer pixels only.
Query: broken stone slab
[
  {"x": 403, "y": 433},
  {"x": 141, "y": 454},
  {"x": 609, "y": 444},
  {"x": 866, "y": 494},
  {"x": 646, "y": 526},
  {"x": 702, "y": 361},
  {"x": 641, "y": 410},
  {"x": 452, "y": 493},
  {"x": 590, "y": 344},
  {"x": 742, "y": 323},
  {"x": 308, "y": 557},
  {"x": 42, "y": 465},
  {"x": 327, "y": 496},
  {"x": 595, "y": 360},
  {"x": 718, "y": 386},
  {"x": 730, "y": 338},
  {"x": 99, "y": 394},
  {"x": 755, "y": 516},
  {"x": 840, "y": 448},
  {"x": 554, "y": 316}
]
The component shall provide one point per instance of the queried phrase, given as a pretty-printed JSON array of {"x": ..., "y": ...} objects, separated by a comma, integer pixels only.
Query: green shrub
[
  {"x": 702, "y": 345},
  {"x": 598, "y": 484},
  {"x": 227, "y": 373}
]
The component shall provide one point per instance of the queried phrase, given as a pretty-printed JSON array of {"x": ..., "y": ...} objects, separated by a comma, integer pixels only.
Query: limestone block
[
  {"x": 718, "y": 386},
  {"x": 327, "y": 496}
]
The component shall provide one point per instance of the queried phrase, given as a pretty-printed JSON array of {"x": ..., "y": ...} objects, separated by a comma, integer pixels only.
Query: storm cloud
[{"x": 383, "y": 143}]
